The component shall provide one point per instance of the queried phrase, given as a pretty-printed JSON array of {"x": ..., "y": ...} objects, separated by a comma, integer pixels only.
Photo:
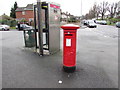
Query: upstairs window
[{"x": 23, "y": 12}]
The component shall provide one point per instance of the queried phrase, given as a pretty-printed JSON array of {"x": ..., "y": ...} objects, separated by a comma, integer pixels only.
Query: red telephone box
[{"x": 69, "y": 47}]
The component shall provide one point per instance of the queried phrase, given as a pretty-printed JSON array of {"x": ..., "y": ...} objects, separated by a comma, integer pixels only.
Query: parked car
[
  {"x": 102, "y": 22},
  {"x": 85, "y": 22},
  {"x": 118, "y": 24},
  {"x": 97, "y": 21},
  {"x": 4, "y": 27},
  {"x": 24, "y": 26},
  {"x": 91, "y": 23}
]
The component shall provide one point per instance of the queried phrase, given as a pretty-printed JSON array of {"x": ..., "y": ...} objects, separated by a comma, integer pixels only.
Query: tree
[
  {"x": 86, "y": 16},
  {"x": 93, "y": 12},
  {"x": 112, "y": 9},
  {"x": 5, "y": 17},
  {"x": 12, "y": 13},
  {"x": 96, "y": 10},
  {"x": 8, "y": 20},
  {"x": 103, "y": 8}
]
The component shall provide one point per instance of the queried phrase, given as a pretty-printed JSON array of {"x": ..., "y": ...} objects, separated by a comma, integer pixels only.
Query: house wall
[{"x": 28, "y": 15}]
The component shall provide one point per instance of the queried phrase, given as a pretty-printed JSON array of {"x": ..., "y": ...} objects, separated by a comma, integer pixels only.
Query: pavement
[{"x": 97, "y": 62}]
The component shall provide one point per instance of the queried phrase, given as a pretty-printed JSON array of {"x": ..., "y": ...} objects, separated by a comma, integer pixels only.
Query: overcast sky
[{"x": 72, "y": 6}]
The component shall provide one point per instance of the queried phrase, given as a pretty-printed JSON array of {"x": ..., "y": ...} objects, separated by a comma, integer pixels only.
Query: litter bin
[{"x": 29, "y": 37}]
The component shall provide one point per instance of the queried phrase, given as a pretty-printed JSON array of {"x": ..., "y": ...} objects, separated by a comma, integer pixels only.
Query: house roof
[
  {"x": 28, "y": 7},
  {"x": 5, "y": 17},
  {"x": 20, "y": 9}
]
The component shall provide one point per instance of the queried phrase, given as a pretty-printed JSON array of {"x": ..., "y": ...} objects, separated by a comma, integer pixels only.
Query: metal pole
[
  {"x": 35, "y": 26},
  {"x": 47, "y": 26},
  {"x": 81, "y": 8},
  {"x": 40, "y": 30},
  {"x": 81, "y": 15}
]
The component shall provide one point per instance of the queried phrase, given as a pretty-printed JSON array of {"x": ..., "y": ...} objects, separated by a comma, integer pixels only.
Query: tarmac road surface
[{"x": 97, "y": 62}]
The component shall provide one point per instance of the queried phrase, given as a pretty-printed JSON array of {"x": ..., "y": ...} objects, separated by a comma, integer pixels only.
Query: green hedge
[
  {"x": 111, "y": 21},
  {"x": 114, "y": 20},
  {"x": 11, "y": 23}
]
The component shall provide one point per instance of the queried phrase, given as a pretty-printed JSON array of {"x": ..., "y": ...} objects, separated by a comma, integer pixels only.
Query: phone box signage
[{"x": 54, "y": 6}]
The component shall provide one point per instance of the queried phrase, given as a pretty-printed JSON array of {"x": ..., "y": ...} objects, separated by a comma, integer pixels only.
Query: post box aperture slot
[{"x": 68, "y": 34}]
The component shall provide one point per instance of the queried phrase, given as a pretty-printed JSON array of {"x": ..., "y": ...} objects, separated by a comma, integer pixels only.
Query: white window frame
[{"x": 23, "y": 12}]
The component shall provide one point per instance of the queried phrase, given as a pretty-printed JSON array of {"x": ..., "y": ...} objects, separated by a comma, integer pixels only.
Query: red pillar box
[{"x": 69, "y": 47}]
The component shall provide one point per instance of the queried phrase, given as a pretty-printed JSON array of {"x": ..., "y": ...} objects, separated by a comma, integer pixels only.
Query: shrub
[{"x": 11, "y": 23}]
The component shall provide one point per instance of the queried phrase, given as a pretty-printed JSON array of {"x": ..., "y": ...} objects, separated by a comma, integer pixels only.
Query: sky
[{"x": 75, "y": 7}]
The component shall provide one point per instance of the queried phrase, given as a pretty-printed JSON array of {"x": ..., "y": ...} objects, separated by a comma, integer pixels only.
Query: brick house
[
  {"x": 25, "y": 13},
  {"x": 66, "y": 16}
]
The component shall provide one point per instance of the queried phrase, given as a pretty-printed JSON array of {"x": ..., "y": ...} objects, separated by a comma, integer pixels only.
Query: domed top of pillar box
[{"x": 70, "y": 27}]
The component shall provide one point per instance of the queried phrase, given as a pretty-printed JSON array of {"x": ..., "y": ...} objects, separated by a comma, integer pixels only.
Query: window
[{"x": 23, "y": 12}]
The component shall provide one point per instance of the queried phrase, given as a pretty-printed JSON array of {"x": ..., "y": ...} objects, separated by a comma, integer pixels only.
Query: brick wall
[{"x": 27, "y": 16}]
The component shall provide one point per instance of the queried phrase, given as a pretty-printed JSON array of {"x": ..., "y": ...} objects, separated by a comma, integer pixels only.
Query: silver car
[
  {"x": 24, "y": 26},
  {"x": 4, "y": 27},
  {"x": 118, "y": 24},
  {"x": 91, "y": 24}
]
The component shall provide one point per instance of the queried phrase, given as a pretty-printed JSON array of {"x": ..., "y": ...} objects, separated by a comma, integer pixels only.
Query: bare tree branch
[
  {"x": 103, "y": 8},
  {"x": 112, "y": 9}
]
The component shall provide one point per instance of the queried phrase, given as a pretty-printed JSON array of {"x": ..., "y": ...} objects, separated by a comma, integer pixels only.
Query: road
[
  {"x": 97, "y": 62},
  {"x": 102, "y": 46},
  {"x": 107, "y": 31}
]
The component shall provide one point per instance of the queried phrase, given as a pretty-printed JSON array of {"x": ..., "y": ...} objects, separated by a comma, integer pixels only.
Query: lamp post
[{"x": 81, "y": 7}]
